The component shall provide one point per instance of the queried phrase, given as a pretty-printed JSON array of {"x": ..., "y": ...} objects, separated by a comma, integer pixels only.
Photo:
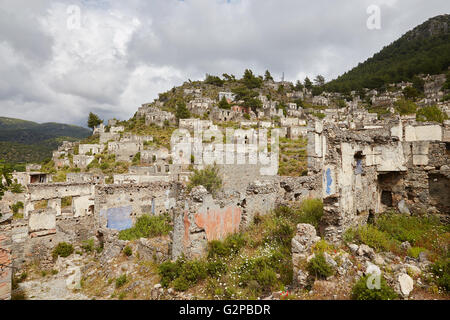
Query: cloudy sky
[{"x": 62, "y": 59}]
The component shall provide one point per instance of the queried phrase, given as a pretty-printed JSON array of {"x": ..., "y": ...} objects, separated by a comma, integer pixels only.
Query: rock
[
  {"x": 405, "y": 245},
  {"x": 423, "y": 257},
  {"x": 302, "y": 278},
  {"x": 413, "y": 270},
  {"x": 198, "y": 193},
  {"x": 403, "y": 208},
  {"x": 378, "y": 260},
  {"x": 304, "y": 238},
  {"x": 406, "y": 284},
  {"x": 157, "y": 286},
  {"x": 330, "y": 260},
  {"x": 353, "y": 247},
  {"x": 73, "y": 280},
  {"x": 365, "y": 250}
]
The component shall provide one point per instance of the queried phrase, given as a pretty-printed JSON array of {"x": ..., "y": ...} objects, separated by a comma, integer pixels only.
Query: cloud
[{"x": 125, "y": 53}]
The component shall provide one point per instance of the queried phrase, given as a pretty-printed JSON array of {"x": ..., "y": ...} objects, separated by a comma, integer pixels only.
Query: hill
[
  {"x": 423, "y": 50},
  {"x": 27, "y": 141}
]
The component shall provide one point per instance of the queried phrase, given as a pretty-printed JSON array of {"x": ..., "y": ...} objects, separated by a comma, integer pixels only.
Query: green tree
[
  {"x": 411, "y": 93},
  {"x": 208, "y": 177},
  {"x": 298, "y": 86},
  {"x": 319, "y": 80},
  {"x": 214, "y": 80},
  {"x": 223, "y": 104},
  {"x": 182, "y": 111},
  {"x": 267, "y": 76},
  {"x": 431, "y": 113},
  {"x": 250, "y": 80},
  {"x": 93, "y": 120},
  {"x": 307, "y": 83}
]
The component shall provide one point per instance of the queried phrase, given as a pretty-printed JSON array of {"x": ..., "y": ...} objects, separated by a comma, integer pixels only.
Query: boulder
[
  {"x": 73, "y": 280},
  {"x": 366, "y": 251},
  {"x": 406, "y": 284},
  {"x": 403, "y": 208}
]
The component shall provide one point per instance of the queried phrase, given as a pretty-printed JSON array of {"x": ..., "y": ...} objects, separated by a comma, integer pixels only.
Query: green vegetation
[
  {"x": 147, "y": 226},
  {"x": 391, "y": 229},
  {"x": 431, "y": 113},
  {"x": 441, "y": 272},
  {"x": 88, "y": 245},
  {"x": 121, "y": 280},
  {"x": 292, "y": 157},
  {"x": 418, "y": 51},
  {"x": 360, "y": 291},
  {"x": 319, "y": 267},
  {"x": 93, "y": 120},
  {"x": 26, "y": 141},
  {"x": 404, "y": 107},
  {"x": 63, "y": 249},
  {"x": 244, "y": 265},
  {"x": 15, "y": 209},
  {"x": 5, "y": 177},
  {"x": 208, "y": 177},
  {"x": 127, "y": 251},
  {"x": 182, "y": 111}
]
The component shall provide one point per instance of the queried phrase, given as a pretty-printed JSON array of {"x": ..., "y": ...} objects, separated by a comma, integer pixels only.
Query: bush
[
  {"x": 231, "y": 245},
  {"x": 147, "y": 226},
  {"x": 405, "y": 107},
  {"x": 127, "y": 251},
  {"x": 441, "y": 271},
  {"x": 311, "y": 211},
  {"x": 414, "y": 252},
  {"x": 408, "y": 228},
  {"x": 120, "y": 281},
  {"x": 319, "y": 267},
  {"x": 371, "y": 236},
  {"x": 216, "y": 268},
  {"x": 182, "y": 274},
  {"x": 360, "y": 291},
  {"x": 63, "y": 249},
  {"x": 431, "y": 113},
  {"x": 208, "y": 177},
  {"x": 88, "y": 245}
]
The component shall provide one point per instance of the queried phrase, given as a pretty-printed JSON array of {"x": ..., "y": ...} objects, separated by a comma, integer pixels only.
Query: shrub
[
  {"x": 147, "y": 226},
  {"x": 405, "y": 107},
  {"x": 371, "y": 236},
  {"x": 441, "y": 271},
  {"x": 319, "y": 267},
  {"x": 182, "y": 274},
  {"x": 215, "y": 268},
  {"x": 231, "y": 245},
  {"x": 208, "y": 177},
  {"x": 120, "y": 281},
  {"x": 16, "y": 207},
  {"x": 360, "y": 291},
  {"x": 407, "y": 228},
  {"x": 431, "y": 113},
  {"x": 127, "y": 251},
  {"x": 63, "y": 249},
  {"x": 17, "y": 188},
  {"x": 311, "y": 211},
  {"x": 414, "y": 252},
  {"x": 88, "y": 245}
]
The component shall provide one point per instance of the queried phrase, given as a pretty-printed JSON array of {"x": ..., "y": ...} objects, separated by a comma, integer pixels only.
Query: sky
[{"x": 62, "y": 59}]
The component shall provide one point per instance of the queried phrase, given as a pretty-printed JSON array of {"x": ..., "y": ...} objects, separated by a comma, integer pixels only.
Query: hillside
[
  {"x": 27, "y": 141},
  {"x": 423, "y": 50}
]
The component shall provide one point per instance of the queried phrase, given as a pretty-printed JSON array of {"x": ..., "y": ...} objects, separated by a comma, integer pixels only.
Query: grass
[
  {"x": 292, "y": 157},
  {"x": 391, "y": 229},
  {"x": 147, "y": 226}
]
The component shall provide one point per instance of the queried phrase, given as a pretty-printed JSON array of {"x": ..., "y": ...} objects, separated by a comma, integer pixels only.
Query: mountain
[
  {"x": 423, "y": 50},
  {"x": 27, "y": 141}
]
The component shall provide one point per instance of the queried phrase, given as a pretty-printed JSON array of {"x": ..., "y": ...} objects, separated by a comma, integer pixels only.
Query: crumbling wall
[
  {"x": 117, "y": 206},
  {"x": 5, "y": 258}
]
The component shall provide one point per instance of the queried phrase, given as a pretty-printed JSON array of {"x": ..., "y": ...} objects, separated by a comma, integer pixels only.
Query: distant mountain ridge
[
  {"x": 422, "y": 50},
  {"x": 28, "y": 141}
]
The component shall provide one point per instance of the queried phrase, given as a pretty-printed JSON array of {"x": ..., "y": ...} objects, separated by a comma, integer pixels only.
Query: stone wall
[
  {"x": 117, "y": 206},
  {"x": 5, "y": 258}
]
